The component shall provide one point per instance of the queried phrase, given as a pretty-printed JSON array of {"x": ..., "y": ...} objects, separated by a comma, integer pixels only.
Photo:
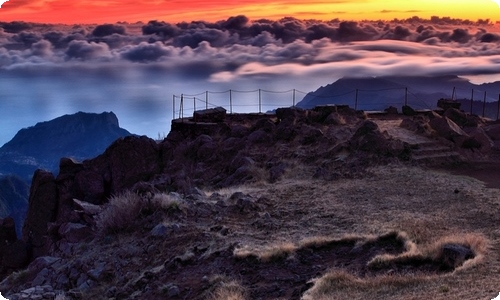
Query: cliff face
[{"x": 81, "y": 136}]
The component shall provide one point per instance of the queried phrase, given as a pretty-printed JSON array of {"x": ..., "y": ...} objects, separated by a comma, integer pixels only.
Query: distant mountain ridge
[
  {"x": 79, "y": 136},
  {"x": 378, "y": 93}
]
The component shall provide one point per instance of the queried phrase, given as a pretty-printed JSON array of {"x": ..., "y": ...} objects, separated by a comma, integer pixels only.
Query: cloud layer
[{"x": 238, "y": 47}]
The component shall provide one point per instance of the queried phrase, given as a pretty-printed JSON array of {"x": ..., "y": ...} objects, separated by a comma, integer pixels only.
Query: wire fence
[{"x": 262, "y": 100}]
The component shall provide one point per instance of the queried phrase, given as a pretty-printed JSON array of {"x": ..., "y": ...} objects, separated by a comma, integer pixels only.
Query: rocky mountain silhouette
[
  {"x": 420, "y": 92},
  {"x": 79, "y": 136}
]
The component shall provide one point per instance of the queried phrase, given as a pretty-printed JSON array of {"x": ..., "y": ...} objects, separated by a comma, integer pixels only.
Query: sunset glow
[{"x": 70, "y": 12}]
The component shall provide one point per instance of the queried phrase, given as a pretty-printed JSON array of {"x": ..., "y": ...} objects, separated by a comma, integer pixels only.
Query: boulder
[
  {"x": 446, "y": 104},
  {"x": 369, "y": 138},
  {"x": 457, "y": 116},
  {"x": 447, "y": 129},
  {"x": 391, "y": 110},
  {"x": 454, "y": 255},
  {"x": 132, "y": 159},
  {"x": 74, "y": 232},
  {"x": 408, "y": 111},
  {"x": 42, "y": 209},
  {"x": 15, "y": 255},
  {"x": 211, "y": 115},
  {"x": 477, "y": 140}
]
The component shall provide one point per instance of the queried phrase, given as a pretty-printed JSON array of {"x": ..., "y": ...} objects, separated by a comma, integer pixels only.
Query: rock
[
  {"x": 408, "y": 111},
  {"x": 92, "y": 186},
  {"x": 368, "y": 138},
  {"x": 335, "y": 119},
  {"x": 87, "y": 208},
  {"x": 173, "y": 291},
  {"x": 446, "y": 104},
  {"x": 454, "y": 255},
  {"x": 447, "y": 128},
  {"x": 259, "y": 137},
  {"x": 391, "y": 110},
  {"x": 478, "y": 140},
  {"x": 310, "y": 134},
  {"x": 211, "y": 115},
  {"x": 264, "y": 124},
  {"x": 74, "y": 232},
  {"x": 41, "y": 210},
  {"x": 132, "y": 159},
  {"x": 292, "y": 114},
  {"x": 7, "y": 231},
  {"x": 457, "y": 116},
  {"x": 493, "y": 131},
  {"x": 42, "y": 262},
  {"x": 15, "y": 255},
  {"x": 159, "y": 230}
]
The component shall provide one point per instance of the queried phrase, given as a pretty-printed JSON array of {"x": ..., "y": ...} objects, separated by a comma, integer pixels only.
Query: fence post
[
  {"x": 453, "y": 94},
  {"x": 498, "y": 108},
  {"x": 206, "y": 100},
  {"x": 194, "y": 104},
  {"x": 356, "y": 101},
  {"x": 293, "y": 97},
  {"x": 173, "y": 108},
  {"x": 484, "y": 103},
  {"x": 230, "y": 101},
  {"x": 406, "y": 96},
  {"x": 181, "y": 109},
  {"x": 260, "y": 102},
  {"x": 471, "y": 100}
]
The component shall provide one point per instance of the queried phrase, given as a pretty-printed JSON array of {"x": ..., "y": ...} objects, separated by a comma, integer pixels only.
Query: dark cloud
[
  {"x": 216, "y": 38},
  {"x": 490, "y": 38},
  {"x": 27, "y": 38},
  {"x": 83, "y": 50},
  {"x": 162, "y": 29},
  {"x": 108, "y": 29},
  {"x": 350, "y": 31},
  {"x": 235, "y": 23},
  {"x": 460, "y": 35},
  {"x": 145, "y": 52},
  {"x": 42, "y": 49},
  {"x": 16, "y": 26},
  {"x": 319, "y": 31}
]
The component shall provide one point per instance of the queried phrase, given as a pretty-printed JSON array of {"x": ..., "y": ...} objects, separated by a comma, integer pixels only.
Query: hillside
[{"x": 305, "y": 204}]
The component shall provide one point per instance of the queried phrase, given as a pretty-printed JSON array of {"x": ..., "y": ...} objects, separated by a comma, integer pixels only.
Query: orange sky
[{"x": 110, "y": 11}]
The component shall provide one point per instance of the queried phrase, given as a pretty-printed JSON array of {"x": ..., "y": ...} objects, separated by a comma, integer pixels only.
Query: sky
[
  {"x": 136, "y": 57},
  {"x": 111, "y": 11}
]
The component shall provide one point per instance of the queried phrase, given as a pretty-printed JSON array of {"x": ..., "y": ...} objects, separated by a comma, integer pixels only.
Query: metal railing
[{"x": 244, "y": 101}]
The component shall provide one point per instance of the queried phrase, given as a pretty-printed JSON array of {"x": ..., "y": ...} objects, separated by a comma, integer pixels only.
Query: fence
[{"x": 366, "y": 99}]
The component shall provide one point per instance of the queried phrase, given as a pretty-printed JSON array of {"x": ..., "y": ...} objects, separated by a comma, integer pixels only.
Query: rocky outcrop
[{"x": 42, "y": 210}]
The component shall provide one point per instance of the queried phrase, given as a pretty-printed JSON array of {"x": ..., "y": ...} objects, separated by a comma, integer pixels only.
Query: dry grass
[
  {"x": 121, "y": 211},
  {"x": 226, "y": 289},
  {"x": 268, "y": 254},
  {"x": 342, "y": 285}
]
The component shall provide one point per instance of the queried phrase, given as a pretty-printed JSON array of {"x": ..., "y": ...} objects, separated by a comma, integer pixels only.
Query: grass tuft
[
  {"x": 121, "y": 211},
  {"x": 226, "y": 289}
]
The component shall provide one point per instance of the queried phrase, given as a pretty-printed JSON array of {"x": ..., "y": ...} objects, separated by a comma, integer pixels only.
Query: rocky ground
[{"x": 322, "y": 204}]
